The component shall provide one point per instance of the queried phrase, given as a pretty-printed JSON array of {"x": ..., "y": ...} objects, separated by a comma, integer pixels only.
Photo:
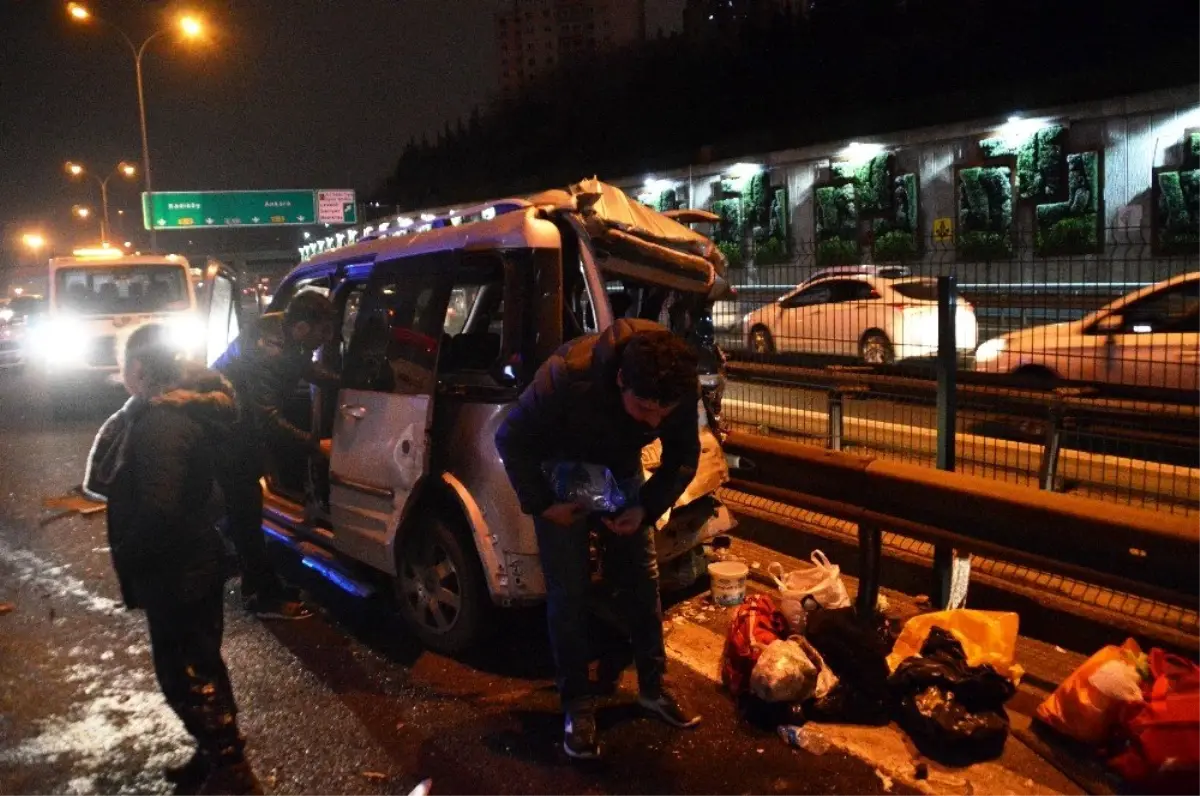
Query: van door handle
[{"x": 356, "y": 412}]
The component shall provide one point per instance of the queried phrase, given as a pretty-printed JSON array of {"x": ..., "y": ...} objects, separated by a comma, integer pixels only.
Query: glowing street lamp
[
  {"x": 34, "y": 241},
  {"x": 189, "y": 26},
  {"x": 81, "y": 212},
  {"x": 125, "y": 169}
]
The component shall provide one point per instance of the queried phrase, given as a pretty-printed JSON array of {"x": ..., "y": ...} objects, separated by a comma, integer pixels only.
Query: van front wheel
[{"x": 440, "y": 587}]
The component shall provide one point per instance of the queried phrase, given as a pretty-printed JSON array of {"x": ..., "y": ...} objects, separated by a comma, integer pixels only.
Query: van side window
[
  {"x": 398, "y": 332},
  {"x": 473, "y": 331}
]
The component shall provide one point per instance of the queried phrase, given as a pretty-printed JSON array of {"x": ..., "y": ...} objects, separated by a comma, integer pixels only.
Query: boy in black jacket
[
  {"x": 158, "y": 471},
  {"x": 600, "y": 400}
]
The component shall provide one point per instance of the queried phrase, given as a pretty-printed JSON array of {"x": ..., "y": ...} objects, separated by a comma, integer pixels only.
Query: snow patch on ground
[
  {"x": 33, "y": 570},
  {"x": 120, "y": 724}
]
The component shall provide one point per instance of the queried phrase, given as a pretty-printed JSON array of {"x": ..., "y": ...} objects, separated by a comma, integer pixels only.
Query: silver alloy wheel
[
  {"x": 760, "y": 341},
  {"x": 432, "y": 589},
  {"x": 876, "y": 350}
]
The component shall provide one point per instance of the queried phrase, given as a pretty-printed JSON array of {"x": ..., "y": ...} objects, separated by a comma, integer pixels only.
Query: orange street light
[
  {"x": 190, "y": 27},
  {"x": 124, "y": 168},
  {"x": 34, "y": 241},
  {"x": 81, "y": 211}
]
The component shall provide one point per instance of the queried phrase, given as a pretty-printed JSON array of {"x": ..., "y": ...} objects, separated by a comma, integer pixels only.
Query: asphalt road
[{"x": 341, "y": 703}]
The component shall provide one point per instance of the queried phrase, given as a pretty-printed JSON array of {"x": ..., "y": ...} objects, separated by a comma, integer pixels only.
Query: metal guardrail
[
  {"x": 1062, "y": 410},
  {"x": 1119, "y": 547}
]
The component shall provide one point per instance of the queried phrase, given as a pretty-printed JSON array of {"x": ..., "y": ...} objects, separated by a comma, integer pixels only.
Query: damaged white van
[{"x": 440, "y": 329}]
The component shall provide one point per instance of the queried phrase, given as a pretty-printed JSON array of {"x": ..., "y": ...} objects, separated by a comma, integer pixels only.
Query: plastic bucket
[{"x": 728, "y": 582}]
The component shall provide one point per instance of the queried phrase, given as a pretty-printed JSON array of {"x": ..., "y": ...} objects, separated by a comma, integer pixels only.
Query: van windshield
[{"x": 99, "y": 290}]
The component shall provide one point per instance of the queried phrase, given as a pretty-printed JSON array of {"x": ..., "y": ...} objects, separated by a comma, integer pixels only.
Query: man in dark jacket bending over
[
  {"x": 265, "y": 364},
  {"x": 600, "y": 400}
]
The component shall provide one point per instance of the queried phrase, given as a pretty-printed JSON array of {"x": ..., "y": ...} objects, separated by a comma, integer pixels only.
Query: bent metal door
[
  {"x": 223, "y": 313},
  {"x": 381, "y": 430}
]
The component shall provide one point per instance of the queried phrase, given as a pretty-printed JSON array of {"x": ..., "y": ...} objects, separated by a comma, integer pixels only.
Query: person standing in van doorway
[
  {"x": 600, "y": 400},
  {"x": 159, "y": 475},
  {"x": 265, "y": 364}
]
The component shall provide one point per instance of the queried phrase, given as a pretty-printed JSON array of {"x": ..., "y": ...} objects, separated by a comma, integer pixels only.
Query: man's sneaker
[
  {"x": 579, "y": 734},
  {"x": 265, "y": 608},
  {"x": 191, "y": 773},
  {"x": 232, "y": 779},
  {"x": 669, "y": 708}
]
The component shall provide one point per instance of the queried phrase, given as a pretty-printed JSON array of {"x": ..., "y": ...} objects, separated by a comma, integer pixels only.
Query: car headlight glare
[{"x": 991, "y": 350}]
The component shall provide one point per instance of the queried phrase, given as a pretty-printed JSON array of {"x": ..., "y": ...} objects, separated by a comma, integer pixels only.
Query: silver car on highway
[{"x": 1149, "y": 338}]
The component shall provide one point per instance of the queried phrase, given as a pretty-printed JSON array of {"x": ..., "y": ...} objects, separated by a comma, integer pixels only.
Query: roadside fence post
[{"x": 951, "y": 570}]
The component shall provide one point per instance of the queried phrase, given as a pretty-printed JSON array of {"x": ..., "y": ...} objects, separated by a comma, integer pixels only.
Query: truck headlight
[
  {"x": 186, "y": 332},
  {"x": 991, "y": 350},
  {"x": 60, "y": 341}
]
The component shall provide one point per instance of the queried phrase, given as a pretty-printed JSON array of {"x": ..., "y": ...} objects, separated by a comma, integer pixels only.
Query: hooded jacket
[
  {"x": 159, "y": 474},
  {"x": 573, "y": 411},
  {"x": 265, "y": 365}
]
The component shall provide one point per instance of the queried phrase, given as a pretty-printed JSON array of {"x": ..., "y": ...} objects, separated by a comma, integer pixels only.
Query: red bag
[
  {"x": 756, "y": 623},
  {"x": 1163, "y": 733}
]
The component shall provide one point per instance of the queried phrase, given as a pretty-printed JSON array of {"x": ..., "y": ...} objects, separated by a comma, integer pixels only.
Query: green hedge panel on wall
[
  {"x": 897, "y": 238},
  {"x": 836, "y": 225},
  {"x": 776, "y": 247},
  {"x": 872, "y": 182},
  {"x": 667, "y": 200},
  {"x": 731, "y": 227},
  {"x": 985, "y": 213},
  {"x": 780, "y": 226},
  {"x": 1039, "y": 164},
  {"x": 757, "y": 204},
  {"x": 1072, "y": 227},
  {"x": 1177, "y": 216},
  {"x": 1039, "y": 161}
]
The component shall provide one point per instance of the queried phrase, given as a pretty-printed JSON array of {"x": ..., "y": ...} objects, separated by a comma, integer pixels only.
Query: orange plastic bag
[
  {"x": 1080, "y": 710},
  {"x": 986, "y": 636}
]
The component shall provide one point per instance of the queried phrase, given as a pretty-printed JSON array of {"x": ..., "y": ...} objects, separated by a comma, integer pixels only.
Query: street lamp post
[
  {"x": 191, "y": 28},
  {"x": 124, "y": 169}
]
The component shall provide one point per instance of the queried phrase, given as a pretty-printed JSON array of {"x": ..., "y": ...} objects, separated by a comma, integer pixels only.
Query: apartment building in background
[{"x": 537, "y": 36}]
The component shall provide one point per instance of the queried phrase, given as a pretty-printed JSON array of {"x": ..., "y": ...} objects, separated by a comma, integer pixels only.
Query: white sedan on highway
[
  {"x": 862, "y": 312},
  {"x": 1150, "y": 338}
]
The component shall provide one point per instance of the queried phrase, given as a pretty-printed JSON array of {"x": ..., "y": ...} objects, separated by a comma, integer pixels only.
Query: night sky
[{"x": 281, "y": 94}]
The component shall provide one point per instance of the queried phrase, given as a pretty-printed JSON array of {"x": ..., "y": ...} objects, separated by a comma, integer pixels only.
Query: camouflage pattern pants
[{"x": 185, "y": 640}]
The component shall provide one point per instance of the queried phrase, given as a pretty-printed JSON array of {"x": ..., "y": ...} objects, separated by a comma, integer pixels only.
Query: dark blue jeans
[{"x": 631, "y": 569}]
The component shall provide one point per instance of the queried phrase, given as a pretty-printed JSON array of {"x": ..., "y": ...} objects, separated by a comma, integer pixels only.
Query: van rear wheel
[{"x": 440, "y": 587}]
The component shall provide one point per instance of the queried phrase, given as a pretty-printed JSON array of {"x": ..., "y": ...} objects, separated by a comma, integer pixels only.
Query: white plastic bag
[
  {"x": 783, "y": 673},
  {"x": 804, "y": 590},
  {"x": 826, "y": 679},
  {"x": 1118, "y": 681}
]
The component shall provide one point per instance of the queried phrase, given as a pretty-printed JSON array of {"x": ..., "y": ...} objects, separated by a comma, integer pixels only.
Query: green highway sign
[{"x": 215, "y": 209}]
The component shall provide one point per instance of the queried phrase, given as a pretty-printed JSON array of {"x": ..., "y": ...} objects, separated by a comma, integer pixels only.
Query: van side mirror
[{"x": 1110, "y": 324}]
